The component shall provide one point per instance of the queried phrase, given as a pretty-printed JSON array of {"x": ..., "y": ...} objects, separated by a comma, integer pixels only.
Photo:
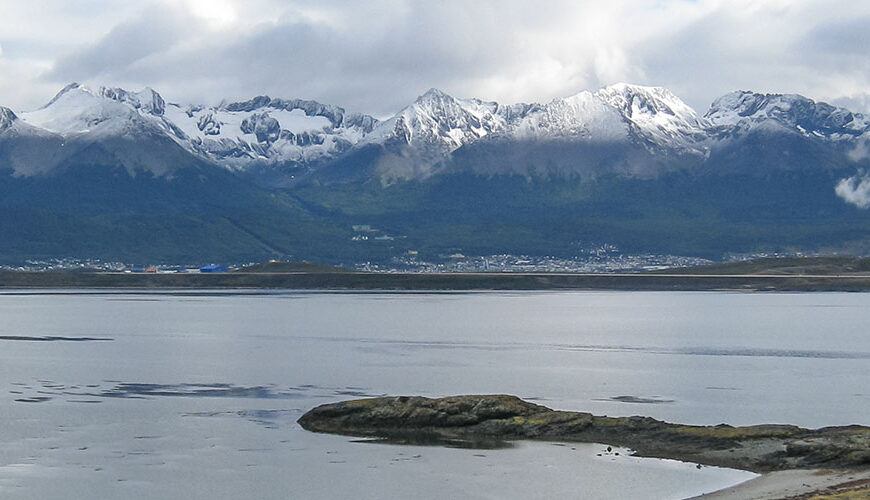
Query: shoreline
[
  {"x": 795, "y": 463},
  {"x": 427, "y": 282},
  {"x": 796, "y": 484}
]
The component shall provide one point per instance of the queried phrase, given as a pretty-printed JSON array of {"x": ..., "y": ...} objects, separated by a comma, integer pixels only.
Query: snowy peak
[
  {"x": 147, "y": 100},
  {"x": 262, "y": 129},
  {"x": 303, "y": 133},
  {"x": 657, "y": 115},
  {"x": 78, "y": 110},
  {"x": 742, "y": 111},
  {"x": 440, "y": 122},
  {"x": 437, "y": 116},
  {"x": 108, "y": 127},
  {"x": 7, "y": 118},
  {"x": 433, "y": 94},
  {"x": 269, "y": 130},
  {"x": 636, "y": 100},
  {"x": 11, "y": 126},
  {"x": 581, "y": 116},
  {"x": 651, "y": 116},
  {"x": 70, "y": 87}
]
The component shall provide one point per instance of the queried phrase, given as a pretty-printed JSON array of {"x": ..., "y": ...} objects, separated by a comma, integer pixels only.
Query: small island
[{"x": 489, "y": 419}]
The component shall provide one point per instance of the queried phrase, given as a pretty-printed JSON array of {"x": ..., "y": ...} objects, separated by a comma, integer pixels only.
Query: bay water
[{"x": 195, "y": 394}]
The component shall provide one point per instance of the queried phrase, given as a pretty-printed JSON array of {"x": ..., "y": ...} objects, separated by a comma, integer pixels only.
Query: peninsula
[{"x": 489, "y": 419}]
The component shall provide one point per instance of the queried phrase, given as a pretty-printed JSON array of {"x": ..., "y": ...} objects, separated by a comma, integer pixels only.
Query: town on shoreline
[{"x": 766, "y": 274}]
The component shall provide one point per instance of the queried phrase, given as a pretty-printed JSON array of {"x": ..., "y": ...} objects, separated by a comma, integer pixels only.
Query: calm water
[{"x": 195, "y": 395}]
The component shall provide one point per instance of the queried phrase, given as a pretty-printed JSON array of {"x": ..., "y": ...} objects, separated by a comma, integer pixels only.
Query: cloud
[
  {"x": 861, "y": 150},
  {"x": 376, "y": 56},
  {"x": 857, "y": 102},
  {"x": 855, "y": 190},
  {"x": 125, "y": 45}
]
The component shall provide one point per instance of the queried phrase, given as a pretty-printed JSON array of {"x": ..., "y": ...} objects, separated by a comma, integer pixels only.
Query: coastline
[
  {"x": 797, "y": 485},
  {"x": 437, "y": 281},
  {"x": 795, "y": 463}
]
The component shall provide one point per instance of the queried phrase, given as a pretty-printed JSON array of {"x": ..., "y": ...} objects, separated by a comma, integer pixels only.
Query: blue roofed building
[{"x": 213, "y": 268}]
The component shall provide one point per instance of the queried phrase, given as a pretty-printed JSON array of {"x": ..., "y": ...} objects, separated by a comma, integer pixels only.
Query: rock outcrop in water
[{"x": 759, "y": 448}]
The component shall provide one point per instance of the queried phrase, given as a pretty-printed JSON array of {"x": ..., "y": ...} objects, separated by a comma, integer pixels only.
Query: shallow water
[{"x": 195, "y": 395}]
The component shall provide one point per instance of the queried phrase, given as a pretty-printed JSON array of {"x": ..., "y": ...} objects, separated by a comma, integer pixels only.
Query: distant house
[{"x": 213, "y": 268}]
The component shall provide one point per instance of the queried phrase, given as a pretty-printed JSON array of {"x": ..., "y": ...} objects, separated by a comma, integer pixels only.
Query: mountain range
[{"x": 113, "y": 174}]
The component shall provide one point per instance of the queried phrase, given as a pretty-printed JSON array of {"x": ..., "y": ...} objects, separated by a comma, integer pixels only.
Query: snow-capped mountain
[
  {"x": 440, "y": 122},
  {"x": 612, "y": 114},
  {"x": 436, "y": 125},
  {"x": 78, "y": 111},
  {"x": 579, "y": 117},
  {"x": 741, "y": 112},
  {"x": 266, "y": 131},
  {"x": 626, "y": 164},
  {"x": 658, "y": 116},
  {"x": 26, "y": 149},
  {"x": 7, "y": 118},
  {"x": 234, "y": 135},
  {"x": 110, "y": 127}
]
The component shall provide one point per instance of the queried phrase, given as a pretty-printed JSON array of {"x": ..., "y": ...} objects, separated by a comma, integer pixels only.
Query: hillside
[
  {"x": 118, "y": 175},
  {"x": 818, "y": 266}
]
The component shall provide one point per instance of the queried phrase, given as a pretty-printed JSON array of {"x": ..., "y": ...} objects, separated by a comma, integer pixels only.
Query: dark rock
[
  {"x": 266, "y": 128},
  {"x": 487, "y": 417}
]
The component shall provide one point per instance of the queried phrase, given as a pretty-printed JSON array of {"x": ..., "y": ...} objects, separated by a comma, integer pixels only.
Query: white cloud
[
  {"x": 861, "y": 151},
  {"x": 219, "y": 13},
  {"x": 855, "y": 190},
  {"x": 376, "y": 56}
]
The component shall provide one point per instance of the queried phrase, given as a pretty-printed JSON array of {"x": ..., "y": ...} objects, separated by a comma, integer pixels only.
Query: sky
[{"x": 376, "y": 56}]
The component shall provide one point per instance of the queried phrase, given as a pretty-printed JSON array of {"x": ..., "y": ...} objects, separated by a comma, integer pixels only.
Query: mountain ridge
[
  {"x": 111, "y": 173},
  {"x": 297, "y": 133}
]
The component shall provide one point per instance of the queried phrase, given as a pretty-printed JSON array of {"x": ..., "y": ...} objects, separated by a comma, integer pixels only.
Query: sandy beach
[{"x": 799, "y": 484}]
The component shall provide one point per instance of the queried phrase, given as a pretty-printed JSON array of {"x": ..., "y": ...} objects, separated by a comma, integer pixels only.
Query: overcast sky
[{"x": 376, "y": 56}]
